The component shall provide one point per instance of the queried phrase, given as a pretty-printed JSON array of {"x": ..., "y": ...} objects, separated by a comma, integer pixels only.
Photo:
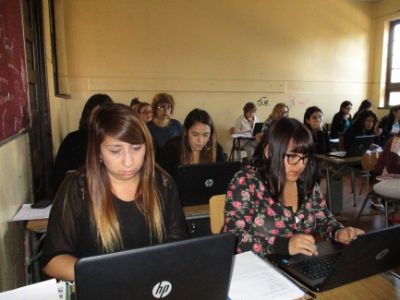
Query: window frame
[{"x": 389, "y": 86}]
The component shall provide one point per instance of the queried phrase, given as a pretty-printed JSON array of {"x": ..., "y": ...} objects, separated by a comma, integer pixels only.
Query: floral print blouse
[{"x": 263, "y": 224}]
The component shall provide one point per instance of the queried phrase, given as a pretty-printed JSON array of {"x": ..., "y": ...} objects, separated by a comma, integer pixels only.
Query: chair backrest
[
  {"x": 231, "y": 130},
  {"x": 369, "y": 160},
  {"x": 217, "y": 205}
]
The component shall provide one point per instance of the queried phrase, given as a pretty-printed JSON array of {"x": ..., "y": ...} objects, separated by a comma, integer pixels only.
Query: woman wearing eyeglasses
[
  {"x": 145, "y": 112},
  {"x": 163, "y": 127},
  {"x": 276, "y": 205}
]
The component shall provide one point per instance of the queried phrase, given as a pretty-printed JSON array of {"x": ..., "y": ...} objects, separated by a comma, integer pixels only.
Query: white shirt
[{"x": 242, "y": 125}]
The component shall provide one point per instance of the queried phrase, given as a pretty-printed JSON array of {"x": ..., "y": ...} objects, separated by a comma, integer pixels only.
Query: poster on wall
[{"x": 14, "y": 116}]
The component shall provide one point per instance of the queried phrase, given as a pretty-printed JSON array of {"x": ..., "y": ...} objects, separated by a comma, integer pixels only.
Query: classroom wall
[
  {"x": 15, "y": 189},
  {"x": 215, "y": 55}
]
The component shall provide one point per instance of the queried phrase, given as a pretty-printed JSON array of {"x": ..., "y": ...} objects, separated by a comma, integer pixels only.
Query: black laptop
[
  {"x": 359, "y": 146},
  {"x": 197, "y": 183},
  {"x": 257, "y": 128},
  {"x": 197, "y": 268},
  {"x": 372, "y": 253}
]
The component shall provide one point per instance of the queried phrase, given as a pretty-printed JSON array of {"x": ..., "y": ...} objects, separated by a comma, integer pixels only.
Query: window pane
[
  {"x": 395, "y": 75},
  {"x": 396, "y": 35},
  {"x": 394, "y": 98},
  {"x": 396, "y": 61}
]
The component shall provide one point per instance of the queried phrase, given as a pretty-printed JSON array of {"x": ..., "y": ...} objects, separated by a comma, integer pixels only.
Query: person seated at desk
[
  {"x": 197, "y": 144},
  {"x": 71, "y": 154},
  {"x": 341, "y": 120},
  {"x": 280, "y": 110},
  {"x": 145, "y": 112},
  {"x": 364, "y": 125},
  {"x": 390, "y": 123},
  {"x": 120, "y": 201},
  {"x": 314, "y": 120},
  {"x": 276, "y": 206},
  {"x": 387, "y": 167},
  {"x": 365, "y": 105},
  {"x": 163, "y": 127},
  {"x": 244, "y": 125}
]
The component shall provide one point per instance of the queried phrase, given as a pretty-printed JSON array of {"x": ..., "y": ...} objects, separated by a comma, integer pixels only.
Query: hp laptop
[
  {"x": 257, "y": 128},
  {"x": 336, "y": 265},
  {"x": 192, "y": 269},
  {"x": 197, "y": 183},
  {"x": 360, "y": 145}
]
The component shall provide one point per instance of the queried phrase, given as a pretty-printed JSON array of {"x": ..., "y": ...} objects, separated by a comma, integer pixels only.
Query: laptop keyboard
[{"x": 317, "y": 267}]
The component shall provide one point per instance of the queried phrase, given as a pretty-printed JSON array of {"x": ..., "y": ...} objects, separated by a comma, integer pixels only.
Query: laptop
[
  {"x": 359, "y": 146},
  {"x": 197, "y": 268},
  {"x": 371, "y": 253},
  {"x": 197, "y": 183},
  {"x": 257, "y": 128}
]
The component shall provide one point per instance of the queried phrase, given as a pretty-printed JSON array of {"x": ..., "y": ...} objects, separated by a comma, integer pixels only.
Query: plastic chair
[{"x": 217, "y": 206}]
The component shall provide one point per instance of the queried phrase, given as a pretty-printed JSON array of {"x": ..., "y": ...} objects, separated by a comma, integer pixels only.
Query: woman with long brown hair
[
  {"x": 197, "y": 144},
  {"x": 120, "y": 201}
]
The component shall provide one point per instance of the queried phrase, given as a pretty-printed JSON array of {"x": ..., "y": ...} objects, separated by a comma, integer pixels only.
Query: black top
[
  {"x": 321, "y": 141},
  {"x": 169, "y": 156},
  {"x": 386, "y": 124},
  {"x": 70, "y": 231},
  {"x": 338, "y": 125},
  {"x": 352, "y": 132},
  {"x": 70, "y": 156}
]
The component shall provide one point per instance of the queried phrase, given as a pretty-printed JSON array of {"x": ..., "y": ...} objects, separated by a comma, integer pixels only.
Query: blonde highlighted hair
[{"x": 118, "y": 121}]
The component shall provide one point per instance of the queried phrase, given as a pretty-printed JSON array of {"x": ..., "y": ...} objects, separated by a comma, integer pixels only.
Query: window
[{"x": 392, "y": 94}]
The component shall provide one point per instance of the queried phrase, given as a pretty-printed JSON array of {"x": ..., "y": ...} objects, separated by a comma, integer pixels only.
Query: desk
[
  {"x": 236, "y": 144},
  {"x": 339, "y": 165},
  {"x": 381, "y": 286}
]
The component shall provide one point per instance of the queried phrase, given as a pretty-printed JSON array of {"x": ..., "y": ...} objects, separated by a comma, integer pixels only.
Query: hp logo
[
  {"x": 162, "y": 289},
  {"x": 209, "y": 183}
]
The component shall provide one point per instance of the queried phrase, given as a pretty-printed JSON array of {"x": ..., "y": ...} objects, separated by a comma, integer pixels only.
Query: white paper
[
  {"x": 255, "y": 279},
  {"x": 45, "y": 290},
  {"x": 26, "y": 212}
]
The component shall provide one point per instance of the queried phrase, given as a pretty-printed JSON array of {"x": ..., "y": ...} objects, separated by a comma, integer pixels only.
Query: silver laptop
[
  {"x": 191, "y": 269},
  {"x": 372, "y": 253}
]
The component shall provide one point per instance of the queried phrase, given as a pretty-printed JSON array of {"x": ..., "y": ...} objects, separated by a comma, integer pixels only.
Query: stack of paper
[
  {"x": 255, "y": 279},
  {"x": 26, "y": 213}
]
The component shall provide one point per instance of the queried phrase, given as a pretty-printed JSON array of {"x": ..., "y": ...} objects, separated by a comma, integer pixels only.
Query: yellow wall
[
  {"x": 216, "y": 55},
  {"x": 15, "y": 189}
]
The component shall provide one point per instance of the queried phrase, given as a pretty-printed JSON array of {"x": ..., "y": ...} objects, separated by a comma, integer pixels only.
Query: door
[{"x": 40, "y": 129}]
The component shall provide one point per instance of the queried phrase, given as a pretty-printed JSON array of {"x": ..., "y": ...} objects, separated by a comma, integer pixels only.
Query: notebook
[
  {"x": 197, "y": 268},
  {"x": 372, "y": 253},
  {"x": 197, "y": 183},
  {"x": 359, "y": 146},
  {"x": 257, "y": 128}
]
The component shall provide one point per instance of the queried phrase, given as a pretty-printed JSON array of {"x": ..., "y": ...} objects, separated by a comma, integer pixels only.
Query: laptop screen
[
  {"x": 179, "y": 270},
  {"x": 197, "y": 183}
]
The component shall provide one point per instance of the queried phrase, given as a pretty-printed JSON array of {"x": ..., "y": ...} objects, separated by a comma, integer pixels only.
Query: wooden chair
[{"x": 217, "y": 205}]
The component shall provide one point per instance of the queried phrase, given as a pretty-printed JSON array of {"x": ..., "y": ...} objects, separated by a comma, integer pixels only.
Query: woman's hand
[
  {"x": 302, "y": 244},
  {"x": 347, "y": 234}
]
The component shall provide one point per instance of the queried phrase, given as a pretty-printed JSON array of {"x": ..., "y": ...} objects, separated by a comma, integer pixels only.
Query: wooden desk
[
  {"x": 236, "y": 143},
  {"x": 381, "y": 286},
  {"x": 339, "y": 165}
]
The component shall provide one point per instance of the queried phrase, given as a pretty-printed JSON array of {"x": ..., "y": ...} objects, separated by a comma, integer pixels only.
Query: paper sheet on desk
[
  {"x": 45, "y": 290},
  {"x": 255, "y": 279},
  {"x": 26, "y": 212}
]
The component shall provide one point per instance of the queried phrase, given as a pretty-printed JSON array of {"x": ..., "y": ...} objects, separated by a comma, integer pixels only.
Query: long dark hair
[
  {"x": 92, "y": 102},
  {"x": 120, "y": 122},
  {"x": 308, "y": 113},
  {"x": 344, "y": 104},
  {"x": 209, "y": 153},
  {"x": 272, "y": 169},
  {"x": 359, "y": 122}
]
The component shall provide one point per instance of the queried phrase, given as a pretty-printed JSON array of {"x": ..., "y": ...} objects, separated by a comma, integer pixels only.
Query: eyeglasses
[
  {"x": 294, "y": 159},
  {"x": 164, "y": 107},
  {"x": 146, "y": 112}
]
